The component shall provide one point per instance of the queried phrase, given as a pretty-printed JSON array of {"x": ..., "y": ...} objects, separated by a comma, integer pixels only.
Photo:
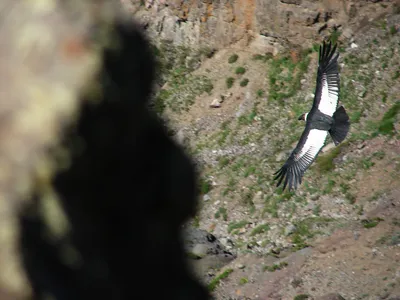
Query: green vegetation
[
  {"x": 247, "y": 119},
  {"x": 249, "y": 171},
  {"x": 205, "y": 186},
  {"x": 237, "y": 225},
  {"x": 272, "y": 202},
  {"x": 360, "y": 210},
  {"x": 384, "y": 97},
  {"x": 262, "y": 58},
  {"x": 183, "y": 87},
  {"x": 260, "y": 229},
  {"x": 182, "y": 90},
  {"x": 386, "y": 125},
  {"x": 382, "y": 24},
  {"x": 285, "y": 75},
  {"x": 367, "y": 163},
  {"x": 223, "y": 134},
  {"x": 375, "y": 196},
  {"x": 214, "y": 283},
  {"x": 301, "y": 297},
  {"x": 231, "y": 186},
  {"x": 370, "y": 223},
  {"x": 345, "y": 189},
  {"x": 229, "y": 82},
  {"x": 354, "y": 61},
  {"x": 246, "y": 197},
  {"x": 349, "y": 95},
  {"x": 223, "y": 161},
  {"x": 391, "y": 239},
  {"x": 355, "y": 117},
  {"x": 243, "y": 281},
  {"x": 395, "y": 239},
  {"x": 334, "y": 37},
  {"x": 159, "y": 101},
  {"x": 325, "y": 162},
  {"x": 275, "y": 267},
  {"x": 233, "y": 58},
  {"x": 329, "y": 186},
  {"x": 317, "y": 210},
  {"x": 244, "y": 82},
  {"x": 240, "y": 70},
  {"x": 221, "y": 212},
  {"x": 257, "y": 125},
  {"x": 307, "y": 228},
  {"x": 196, "y": 221},
  {"x": 260, "y": 93}
]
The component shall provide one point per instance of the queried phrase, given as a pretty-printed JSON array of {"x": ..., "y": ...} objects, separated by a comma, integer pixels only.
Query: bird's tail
[{"x": 341, "y": 125}]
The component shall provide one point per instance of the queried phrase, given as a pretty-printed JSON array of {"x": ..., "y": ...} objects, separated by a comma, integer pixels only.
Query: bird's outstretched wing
[
  {"x": 328, "y": 82},
  {"x": 307, "y": 149}
]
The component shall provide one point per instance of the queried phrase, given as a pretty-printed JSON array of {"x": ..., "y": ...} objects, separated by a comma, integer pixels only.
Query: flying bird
[{"x": 323, "y": 118}]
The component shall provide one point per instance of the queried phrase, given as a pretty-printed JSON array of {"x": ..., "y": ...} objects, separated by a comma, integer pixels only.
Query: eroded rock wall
[{"x": 221, "y": 23}]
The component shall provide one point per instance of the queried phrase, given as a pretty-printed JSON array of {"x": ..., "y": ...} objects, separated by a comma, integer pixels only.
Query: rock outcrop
[
  {"x": 205, "y": 251},
  {"x": 221, "y": 23}
]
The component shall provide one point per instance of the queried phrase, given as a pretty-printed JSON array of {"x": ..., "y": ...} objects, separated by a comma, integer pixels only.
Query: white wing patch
[
  {"x": 315, "y": 141},
  {"x": 329, "y": 95}
]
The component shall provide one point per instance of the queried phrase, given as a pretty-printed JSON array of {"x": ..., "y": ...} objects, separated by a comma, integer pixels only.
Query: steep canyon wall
[{"x": 221, "y": 23}]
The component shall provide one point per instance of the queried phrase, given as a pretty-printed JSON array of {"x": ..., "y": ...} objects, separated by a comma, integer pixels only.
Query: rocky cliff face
[{"x": 220, "y": 23}]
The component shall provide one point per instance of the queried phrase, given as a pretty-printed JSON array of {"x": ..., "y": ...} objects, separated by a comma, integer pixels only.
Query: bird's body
[{"x": 323, "y": 118}]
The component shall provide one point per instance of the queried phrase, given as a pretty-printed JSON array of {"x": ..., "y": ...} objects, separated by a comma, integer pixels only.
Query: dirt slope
[{"x": 357, "y": 262}]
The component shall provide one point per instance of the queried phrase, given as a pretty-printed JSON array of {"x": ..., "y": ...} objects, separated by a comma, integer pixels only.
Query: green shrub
[
  {"x": 215, "y": 282},
  {"x": 240, "y": 70},
  {"x": 221, "y": 212},
  {"x": 205, "y": 186},
  {"x": 275, "y": 267},
  {"x": 237, "y": 225},
  {"x": 371, "y": 223},
  {"x": 260, "y": 229},
  {"x": 229, "y": 82},
  {"x": 159, "y": 101},
  {"x": 233, "y": 58},
  {"x": 244, "y": 82},
  {"x": 386, "y": 125}
]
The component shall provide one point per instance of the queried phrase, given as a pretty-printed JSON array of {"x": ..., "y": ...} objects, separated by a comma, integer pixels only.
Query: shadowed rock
[{"x": 98, "y": 188}]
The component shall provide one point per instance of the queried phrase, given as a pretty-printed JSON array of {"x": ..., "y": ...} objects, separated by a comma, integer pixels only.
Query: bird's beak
[{"x": 301, "y": 117}]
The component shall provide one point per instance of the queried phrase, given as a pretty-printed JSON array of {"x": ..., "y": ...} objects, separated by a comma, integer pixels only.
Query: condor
[{"x": 323, "y": 117}]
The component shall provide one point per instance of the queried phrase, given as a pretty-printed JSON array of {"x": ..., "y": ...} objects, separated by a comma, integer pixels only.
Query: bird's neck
[{"x": 305, "y": 116}]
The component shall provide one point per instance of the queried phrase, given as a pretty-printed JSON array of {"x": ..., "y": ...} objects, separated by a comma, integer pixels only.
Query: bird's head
[{"x": 303, "y": 117}]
